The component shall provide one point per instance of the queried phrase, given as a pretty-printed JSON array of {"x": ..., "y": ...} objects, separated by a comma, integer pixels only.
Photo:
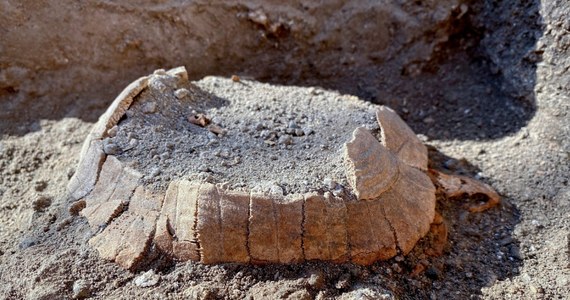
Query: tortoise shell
[{"x": 381, "y": 207}]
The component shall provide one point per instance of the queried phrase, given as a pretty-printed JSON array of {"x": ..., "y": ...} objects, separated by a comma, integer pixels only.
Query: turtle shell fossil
[{"x": 238, "y": 171}]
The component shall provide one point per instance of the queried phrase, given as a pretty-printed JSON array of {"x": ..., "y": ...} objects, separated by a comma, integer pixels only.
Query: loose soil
[{"x": 286, "y": 138}]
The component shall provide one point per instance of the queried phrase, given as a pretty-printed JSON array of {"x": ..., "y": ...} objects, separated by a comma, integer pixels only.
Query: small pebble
[
  {"x": 133, "y": 143},
  {"x": 329, "y": 183},
  {"x": 70, "y": 172},
  {"x": 81, "y": 289},
  {"x": 223, "y": 153},
  {"x": 204, "y": 168},
  {"x": 113, "y": 131},
  {"x": 27, "y": 242},
  {"x": 165, "y": 156},
  {"x": 316, "y": 280},
  {"x": 111, "y": 148},
  {"x": 292, "y": 124},
  {"x": 268, "y": 134},
  {"x": 216, "y": 129},
  {"x": 147, "y": 279},
  {"x": 259, "y": 127},
  {"x": 339, "y": 191},
  {"x": 149, "y": 108},
  {"x": 156, "y": 84},
  {"x": 515, "y": 252},
  {"x": 181, "y": 93},
  {"x": 200, "y": 291},
  {"x": 526, "y": 278},
  {"x": 169, "y": 145},
  {"x": 285, "y": 140},
  {"x": 397, "y": 268},
  {"x": 154, "y": 172},
  {"x": 343, "y": 282},
  {"x": 308, "y": 131},
  {"x": 276, "y": 190},
  {"x": 300, "y": 295}
]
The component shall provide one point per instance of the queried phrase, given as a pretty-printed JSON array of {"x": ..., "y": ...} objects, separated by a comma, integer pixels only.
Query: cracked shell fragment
[
  {"x": 401, "y": 140},
  {"x": 379, "y": 202},
  {"x": 397, "y": 199}
]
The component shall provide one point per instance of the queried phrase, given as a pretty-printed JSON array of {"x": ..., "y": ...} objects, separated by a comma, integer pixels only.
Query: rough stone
[
  {"x": 147, "y": 279},
  {"x": 81, "y": 289}
]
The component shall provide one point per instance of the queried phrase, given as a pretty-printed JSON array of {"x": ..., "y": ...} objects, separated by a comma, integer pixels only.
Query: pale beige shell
[{"x": 205, "y": 222}]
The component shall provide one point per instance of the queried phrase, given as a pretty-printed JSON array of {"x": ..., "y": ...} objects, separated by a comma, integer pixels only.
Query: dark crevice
[
  {"x": 147, "y": 256},
  {"x": 276, "y": 234},
  {"x": 195, "y": 225},
  {"x": 347, "y": 239},
  {"x": 392, "y": 229},
  {"x": 372, "y": 229},
  {"x": 247, "y": 228},
  {"x": 220, "y": 227},
  {"x": 119, "y": 210},
  {"x": 303, "y": 229}
]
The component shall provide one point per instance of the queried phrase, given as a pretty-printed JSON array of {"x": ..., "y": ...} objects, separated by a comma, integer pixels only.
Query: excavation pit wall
[{"x": 92, "y": 56}]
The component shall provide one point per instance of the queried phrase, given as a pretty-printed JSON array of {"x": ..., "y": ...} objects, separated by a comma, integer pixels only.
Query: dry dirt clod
[
  {"x": 76, "y": 207},
  {"x": 41, "y": 203}
]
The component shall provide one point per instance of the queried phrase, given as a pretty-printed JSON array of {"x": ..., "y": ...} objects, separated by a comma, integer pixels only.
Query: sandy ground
[{"x": 493, "y": 103}]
